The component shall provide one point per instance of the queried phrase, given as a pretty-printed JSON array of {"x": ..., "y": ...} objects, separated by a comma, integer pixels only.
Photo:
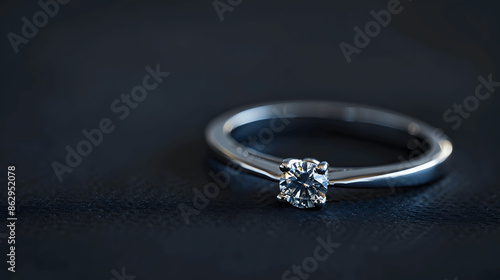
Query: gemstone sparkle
[{"x": 304, "y": 183}]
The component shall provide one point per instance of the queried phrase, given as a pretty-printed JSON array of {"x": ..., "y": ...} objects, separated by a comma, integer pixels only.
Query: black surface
[{"x": 120, "y": 206}]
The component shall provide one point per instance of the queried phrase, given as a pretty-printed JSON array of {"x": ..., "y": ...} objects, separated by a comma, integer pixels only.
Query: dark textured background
[{"x": 119, "y": 208}]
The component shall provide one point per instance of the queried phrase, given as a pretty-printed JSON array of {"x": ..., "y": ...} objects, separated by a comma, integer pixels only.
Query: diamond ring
[{"x": 304, "y": 182}]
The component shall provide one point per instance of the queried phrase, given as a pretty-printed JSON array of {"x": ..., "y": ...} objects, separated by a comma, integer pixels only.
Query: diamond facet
[{"x": 304, "y": 183}]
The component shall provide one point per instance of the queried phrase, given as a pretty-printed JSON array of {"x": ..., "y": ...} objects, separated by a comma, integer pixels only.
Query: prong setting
[
  {"x": 319, "y": 205},
  {"x": 322, "y": 167},
  {"x": 281, "y": 197},
  {"x": 303, "y": 183},
  {"x": 313, "y": 160},
  {"x": 285, "y": 165}
]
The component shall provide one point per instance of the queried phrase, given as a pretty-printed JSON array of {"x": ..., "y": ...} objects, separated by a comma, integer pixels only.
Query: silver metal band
[{"x": 416, "y": 171}]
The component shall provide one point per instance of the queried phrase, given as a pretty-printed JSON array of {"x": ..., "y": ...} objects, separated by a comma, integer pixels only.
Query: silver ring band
[{"x": 415, "y": 172}]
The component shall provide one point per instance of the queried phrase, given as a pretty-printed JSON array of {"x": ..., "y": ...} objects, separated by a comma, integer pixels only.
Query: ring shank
[{"x": 409, "y": 173}]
